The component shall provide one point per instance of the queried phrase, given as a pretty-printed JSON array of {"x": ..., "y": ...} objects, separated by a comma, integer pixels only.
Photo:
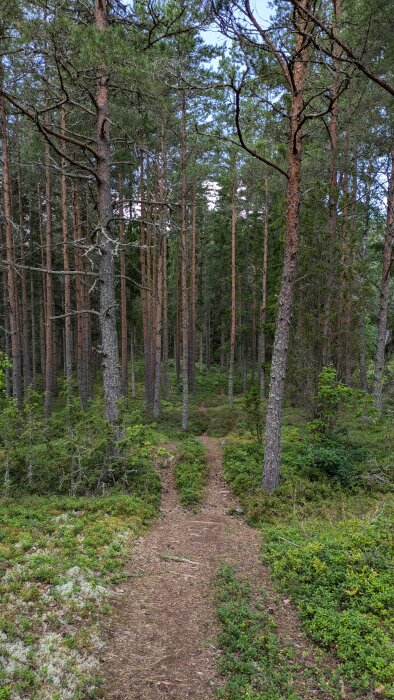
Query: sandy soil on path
[{"x": 161, "y": 636}]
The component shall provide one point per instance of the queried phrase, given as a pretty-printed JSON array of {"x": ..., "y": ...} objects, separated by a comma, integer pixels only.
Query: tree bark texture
[
  {"x": 107, "y": 244},
  {"x": 384, "y": 293},
  {"x": 230, "y": 397},
  {"x": 271, "y": 469},
  {"x": 184, "y": 296},
  {"x": 12, "y": 288}
]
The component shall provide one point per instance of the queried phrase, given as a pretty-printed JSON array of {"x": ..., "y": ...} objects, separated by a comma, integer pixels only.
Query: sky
[{"x": 212, "y": 36}]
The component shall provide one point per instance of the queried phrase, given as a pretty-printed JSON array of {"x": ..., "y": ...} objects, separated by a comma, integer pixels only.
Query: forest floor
[{"x": 162, "y": 638}]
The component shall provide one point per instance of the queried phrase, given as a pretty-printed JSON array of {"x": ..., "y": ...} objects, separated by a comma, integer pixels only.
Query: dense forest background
[
  {"x": 196, "y": 254},
  {"x": 193, "y": 206}
]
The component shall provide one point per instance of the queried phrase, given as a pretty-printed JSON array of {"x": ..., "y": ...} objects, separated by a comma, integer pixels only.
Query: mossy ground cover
[
  {"x": 329, "y": 545},
  {"x": 58, "y": 559}
]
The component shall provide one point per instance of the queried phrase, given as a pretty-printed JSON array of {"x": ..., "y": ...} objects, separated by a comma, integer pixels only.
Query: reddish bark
[
  {"x": 68, "y": 348},
  {"x": 263, "y": 308},
  {"x": 49, "y": 311},
  {"x": 24, "y": 317},
  {"x": 185, "y": 300},
  {"x": 192, "y": 309},
  {"x": 144, "y": 300},
  {"x": 230, "y": 397},
  {"x": 384, "y": 293},
  {"x": 12, "y": 288},
  {"x": 123, "y": 298}
]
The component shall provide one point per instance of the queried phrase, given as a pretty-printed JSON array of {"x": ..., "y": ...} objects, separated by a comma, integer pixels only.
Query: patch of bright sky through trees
[
  {"x": 262, "y": 13},
  {"x": 213, "y": 37}
]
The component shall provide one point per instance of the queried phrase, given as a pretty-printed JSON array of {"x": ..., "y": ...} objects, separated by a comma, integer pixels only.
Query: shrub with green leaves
[
  {"x": 73, "y": 452},
  {"x": 191, "y": 472},
  {"x": 341, "y": 577},
  {"x": 253, "y": 407},
  {"x": 223, "y": 420},
  {"x": 336, "y": 562},
  {"x": 250, "y": 659},
  {"x": 255, "y": 665},
  {"x": 332, "y": 397},
  {"x": 326, "y": 449}
]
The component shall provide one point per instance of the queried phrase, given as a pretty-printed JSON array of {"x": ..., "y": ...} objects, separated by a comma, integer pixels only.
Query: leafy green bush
[
  {"x": 327, "y": 457},
  {"x": 341, "y": 577},
  {"x": 191, "y": 472},
  {"x": 332, "y": 396},
  {"x": 198, "y": 423},
  {"x": 73, "y": 452},
  {"x": 325, "y": 449},
  {"x": 253, "y": 407},
  {"x": 223, "y": 420},
  {"x": 243, "y": 465},
  {"x": 297, "y": 495},
  {"x": 251, "y": 659}
]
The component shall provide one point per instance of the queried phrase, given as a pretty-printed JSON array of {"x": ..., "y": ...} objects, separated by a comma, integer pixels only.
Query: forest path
[{"x": 162, "y": 634}]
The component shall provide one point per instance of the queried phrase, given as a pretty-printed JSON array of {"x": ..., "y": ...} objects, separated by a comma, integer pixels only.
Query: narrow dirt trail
[{"x": 161, "y": 636}]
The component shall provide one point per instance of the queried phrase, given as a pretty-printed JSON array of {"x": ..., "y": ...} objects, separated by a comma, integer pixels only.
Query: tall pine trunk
[
  {"x": 166, "y": 377},
  {"x": 184, "y": 296},
  {"x": 107, "y": 244},
  {"x": 333, "y": 194},
  {"x": 361, "y": 320},
  {"x": 384, "y": 293},
  {"x": 12, "y": 287},
  {"x": 49, "y": 338},
  {"x": 132, "y": 365},
  {"x": 271, "y": 469},
  {"x": 192, "y": 324},
  {"x": 144, "y": 295},
  {"x": 230, "y": 397},
  {"x": 24, "y": 317},
  {"x": 123, "y": 299},
  {"x": 68, "y": 347},
  {"x": 33, "y": 333},
  {"x": 79, "y": 298},
  {"x": 263, "y": 308},
  {"x": 158, "y": 329}
]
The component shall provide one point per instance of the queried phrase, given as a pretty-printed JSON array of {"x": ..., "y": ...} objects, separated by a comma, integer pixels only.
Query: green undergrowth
[
  {"x": 250, "y": 662},
  {"x": 59, "y": 557},
  {"x": 191, "y": 472},
  {"x": 341, "y": 577},
  {"x": 253, "y": 662},
  {"x": 216, "y": 421},
  {"x": 73, "y": 452},
  {"x": 330, "y": 546}
]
